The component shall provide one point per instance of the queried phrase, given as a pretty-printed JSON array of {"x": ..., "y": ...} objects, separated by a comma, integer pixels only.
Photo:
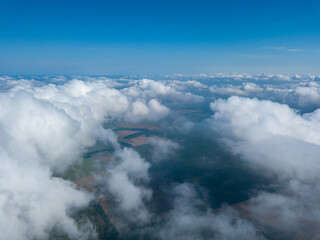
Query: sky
[{"x": 159, "y": 37}]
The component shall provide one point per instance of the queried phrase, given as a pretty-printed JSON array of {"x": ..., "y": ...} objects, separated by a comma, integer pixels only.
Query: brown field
[
  {"x": 123, "y": 133},
  {"x": 87, "y": 183},
  {"x": 103, "y": 156},
  {"x": 104, "y": 204},
  {"x": 137, "y": 141},
  {"x": 140, "y": 140}
]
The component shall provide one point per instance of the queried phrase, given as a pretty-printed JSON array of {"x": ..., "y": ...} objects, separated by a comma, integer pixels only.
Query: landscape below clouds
[{"x": 221, "y": 156}]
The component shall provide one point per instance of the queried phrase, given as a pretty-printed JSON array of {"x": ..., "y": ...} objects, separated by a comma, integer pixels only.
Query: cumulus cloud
[
  {"x": 245, "y": 89},
  {"x": 182, "y": 85},
  {"x": 127, "y": 177},
  {"x": 153, "y": 111},
  {"x": 149, "y": 89},
  {"x": 47, "y": 125},
  {"x": 294, "y": 211},
  {"x": 270, "y": 134},
  {"x": 298, "y": 91},
  {"x": 69, "y": 118},
  {"x": 163, "y": 149},
  {"x": 32, "y": 202},
  {"x": 308, "y": 94},
  {"x": 44, "y": 129},
  {"x": 227, "y": 90},
  {"x": 191, "y": 219},
  {"x": 276, "y": 138}
]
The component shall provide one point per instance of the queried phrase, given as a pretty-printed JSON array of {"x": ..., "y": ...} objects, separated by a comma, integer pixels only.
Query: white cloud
[
  {"x": 308, "y": 95},
  {"x": 273, "y": 137},
  {"x": 270, "y": 134},
  {"x": 148, "y": 89},
  {"x": 181, "y": 85},
  {"x": 187, "y": 221},
  {"x": 229, "y": 90},
  {"x": 44, "y": 129},
  {"x": 162, "y": 149},
  {"x": 46, "y": 126},
  {"x": 32, "y": 201},
  {"x": 153, "y": 111},
  {"x": 127, "y": 176}
]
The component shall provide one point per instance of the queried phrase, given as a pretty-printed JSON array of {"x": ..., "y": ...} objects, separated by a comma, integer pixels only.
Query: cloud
[
  {"x": 46, "y": 125},
  {"x": 68, "y": 118},
  {"x": 308, "y": 95},
  {"x": 162, "y": 149},
  {"x": 275, "y": 138},
  {"x": 153, "y": 111},
  {"x": 271, "y": 134},
  {"x": 32, "y": 201},
  {"x": 45, "y": 128},
  {"x": 295, "y": 211},
  {"x": 182, "y": 85},
  {"x": 191, "y": 219},
  {"x": 284, "y": 48},
  {"x": 228, "y": 90},
  {"x": 127, "y": 178},
  {"x": 246, "y": 89},
  {"x": 148, "y": 89},
  {"x": 298, "y": 91}
]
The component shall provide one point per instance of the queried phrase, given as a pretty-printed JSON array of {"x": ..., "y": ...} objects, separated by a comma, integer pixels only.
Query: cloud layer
[
  {"x": 45, "y": 128},
  {"x": 275, "y": 138},
  {"x": 271, "y": 123}
]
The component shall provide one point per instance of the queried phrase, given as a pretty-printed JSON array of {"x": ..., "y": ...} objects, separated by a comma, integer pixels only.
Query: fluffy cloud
[
  {"x": 32, "y": 202},
  {"x": 227, "y": 90},
  {"x": 190, "y": 219},
  {"x": 148, "y": 89},
  {"x": 182, "y": 85},
  {"x": 274, "y": 137},
  {"x": 44, "y": 129},
  {"x": 54, "y": 124},
  {"x": 294, "y": 211},
  {"x": 308, "y": 94},
  {"x": 153, "y": 111},
  {"x": 302, "y": 92},
  {"x": 270, "y": 134},
  {"x": 127, "y": 176},
  {"x": 47, "y": 124},
  {"x": 245, "y": 89},
  {"x": 162, "y": 149}
]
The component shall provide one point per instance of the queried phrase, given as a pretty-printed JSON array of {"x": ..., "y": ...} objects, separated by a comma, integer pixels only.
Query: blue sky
[{"x": 155, "y": 37}]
